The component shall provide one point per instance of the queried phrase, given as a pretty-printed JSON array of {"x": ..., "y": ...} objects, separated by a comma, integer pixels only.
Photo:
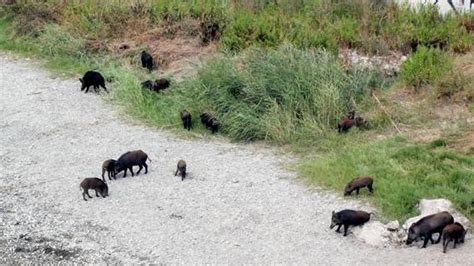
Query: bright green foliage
[{"x": 425, "y": 66}]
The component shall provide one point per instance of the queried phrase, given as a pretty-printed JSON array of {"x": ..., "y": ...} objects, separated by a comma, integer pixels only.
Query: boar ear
[{"x": 80, "y": 79}]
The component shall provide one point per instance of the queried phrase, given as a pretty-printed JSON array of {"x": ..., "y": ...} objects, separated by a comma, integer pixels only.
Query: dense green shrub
[
  {"x": 276, "y": 95},
  {"x": 425, "y": 66}
]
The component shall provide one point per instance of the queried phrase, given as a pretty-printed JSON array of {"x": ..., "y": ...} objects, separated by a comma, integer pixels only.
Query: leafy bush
[{"x": 425, "y": 66}]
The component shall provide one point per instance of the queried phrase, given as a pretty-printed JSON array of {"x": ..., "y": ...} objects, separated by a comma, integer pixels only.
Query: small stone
[
  {"x": 176, "y": 216},
  {"x": 393, "y": 225}
]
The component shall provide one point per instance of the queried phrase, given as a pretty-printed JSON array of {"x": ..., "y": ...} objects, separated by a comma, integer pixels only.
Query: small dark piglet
[
  {"x": 95, "y": 183},
  {"x": 109, "y": 167},
  {"x": 427, "y": 226},
  {"x": 181, "y": 168},
  {"x": 345, "y": 124},
  {"x": 161, "y": 84},
  {"x": 129, "y": 159},
  {"x": 358, "y": 183},
  {"x": 186, "y": 118},
  {"x": 210, "y": 122},
  {"x": 348, "y": 217},
  {"x": 147, "y": 60},
  {"x": 148, "y": 84},
  {"x": 92, "y": 78},
  {"x": 453, "y": 232},
  {"x": 157, "y": 85}
]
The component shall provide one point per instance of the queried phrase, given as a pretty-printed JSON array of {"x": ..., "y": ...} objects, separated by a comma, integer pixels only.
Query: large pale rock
[
  {"x": 431, "y": 206},
  {"x": 373, "y": 233}
]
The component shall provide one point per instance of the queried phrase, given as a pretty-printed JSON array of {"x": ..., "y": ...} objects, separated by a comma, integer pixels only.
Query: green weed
[{"x": 425, "y": 66}]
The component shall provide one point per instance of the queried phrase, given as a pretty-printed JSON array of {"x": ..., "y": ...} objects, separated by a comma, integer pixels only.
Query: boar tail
[{"x": 148, "y": 159}]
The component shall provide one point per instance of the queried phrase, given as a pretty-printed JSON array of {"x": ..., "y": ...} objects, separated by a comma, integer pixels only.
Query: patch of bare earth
[{"x": 176, "y": 47}]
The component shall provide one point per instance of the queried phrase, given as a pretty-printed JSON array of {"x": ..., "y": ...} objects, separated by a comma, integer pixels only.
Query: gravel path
[{"x": 238, "y": 206}]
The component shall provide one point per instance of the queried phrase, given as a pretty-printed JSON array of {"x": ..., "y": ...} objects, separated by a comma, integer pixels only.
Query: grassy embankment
[{"x": 270, "y": 82}]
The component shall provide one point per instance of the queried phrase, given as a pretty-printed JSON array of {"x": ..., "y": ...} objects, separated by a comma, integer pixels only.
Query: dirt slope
[{"x": 238, "y": 206}]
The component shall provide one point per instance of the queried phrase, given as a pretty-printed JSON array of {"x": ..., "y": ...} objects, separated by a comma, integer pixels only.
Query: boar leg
[
  {"x": 346, "y": 226},
  {"x": 371, "y": 190},
  {"x": 84, "y": 196},
  {"x": 140, "y": 167},
  {"x": 176, "y": 173},
  {"x": 425, "y": 240},
  {"x": 445, "y": 245},
  {"x": 110, "y": 175},
  {"x": 97, "y": 193},
  {"x": 96, "y": 89},
  {"x": 87, "y": 89},
  {"x": 131, "y": 170},
  {"x": 146, "y": 168},
  {"x": 125, "y": 172},
  {"x": 357, "y": 191},
  {"x": 339, "y": 227},
  {"x": 455, "y": 242},
  {"x": 103, "y": 86},
  {"x": 103, "y": 172}
]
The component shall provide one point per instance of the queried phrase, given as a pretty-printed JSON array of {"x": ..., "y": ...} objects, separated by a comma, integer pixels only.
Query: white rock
[{"x": 373, "y": 233}]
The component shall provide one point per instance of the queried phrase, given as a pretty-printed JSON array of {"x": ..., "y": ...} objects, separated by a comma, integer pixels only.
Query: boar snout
[
  {"x": 333, "y": 220},
  {"x": 347, "y": 191}
]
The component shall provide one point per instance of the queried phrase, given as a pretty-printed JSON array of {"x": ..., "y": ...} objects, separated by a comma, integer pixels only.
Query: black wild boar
[
  {"x": 348, "y": 217},
  {"x": 181, "y": 168},
  {"x": 129, "y": 159},
  {"x": 452, "y": 232},
  {"x": 210, "y": 122},
  {"x": 109, "y": 167},
  {"x": 428, "y": 225},
  {"x": 161, "y": 84},
  {"x": 92, "y": 78},
  {"x": 148, "y": 84},
  {"x": 147, "y": 61},
  {"x": 345, "y": 124},
  {"x": 358, "y": 183},
  {"x": 95, "y": 183},
  {"x": 157, "y": 85},
  {"x": 186, "y": 118}
]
